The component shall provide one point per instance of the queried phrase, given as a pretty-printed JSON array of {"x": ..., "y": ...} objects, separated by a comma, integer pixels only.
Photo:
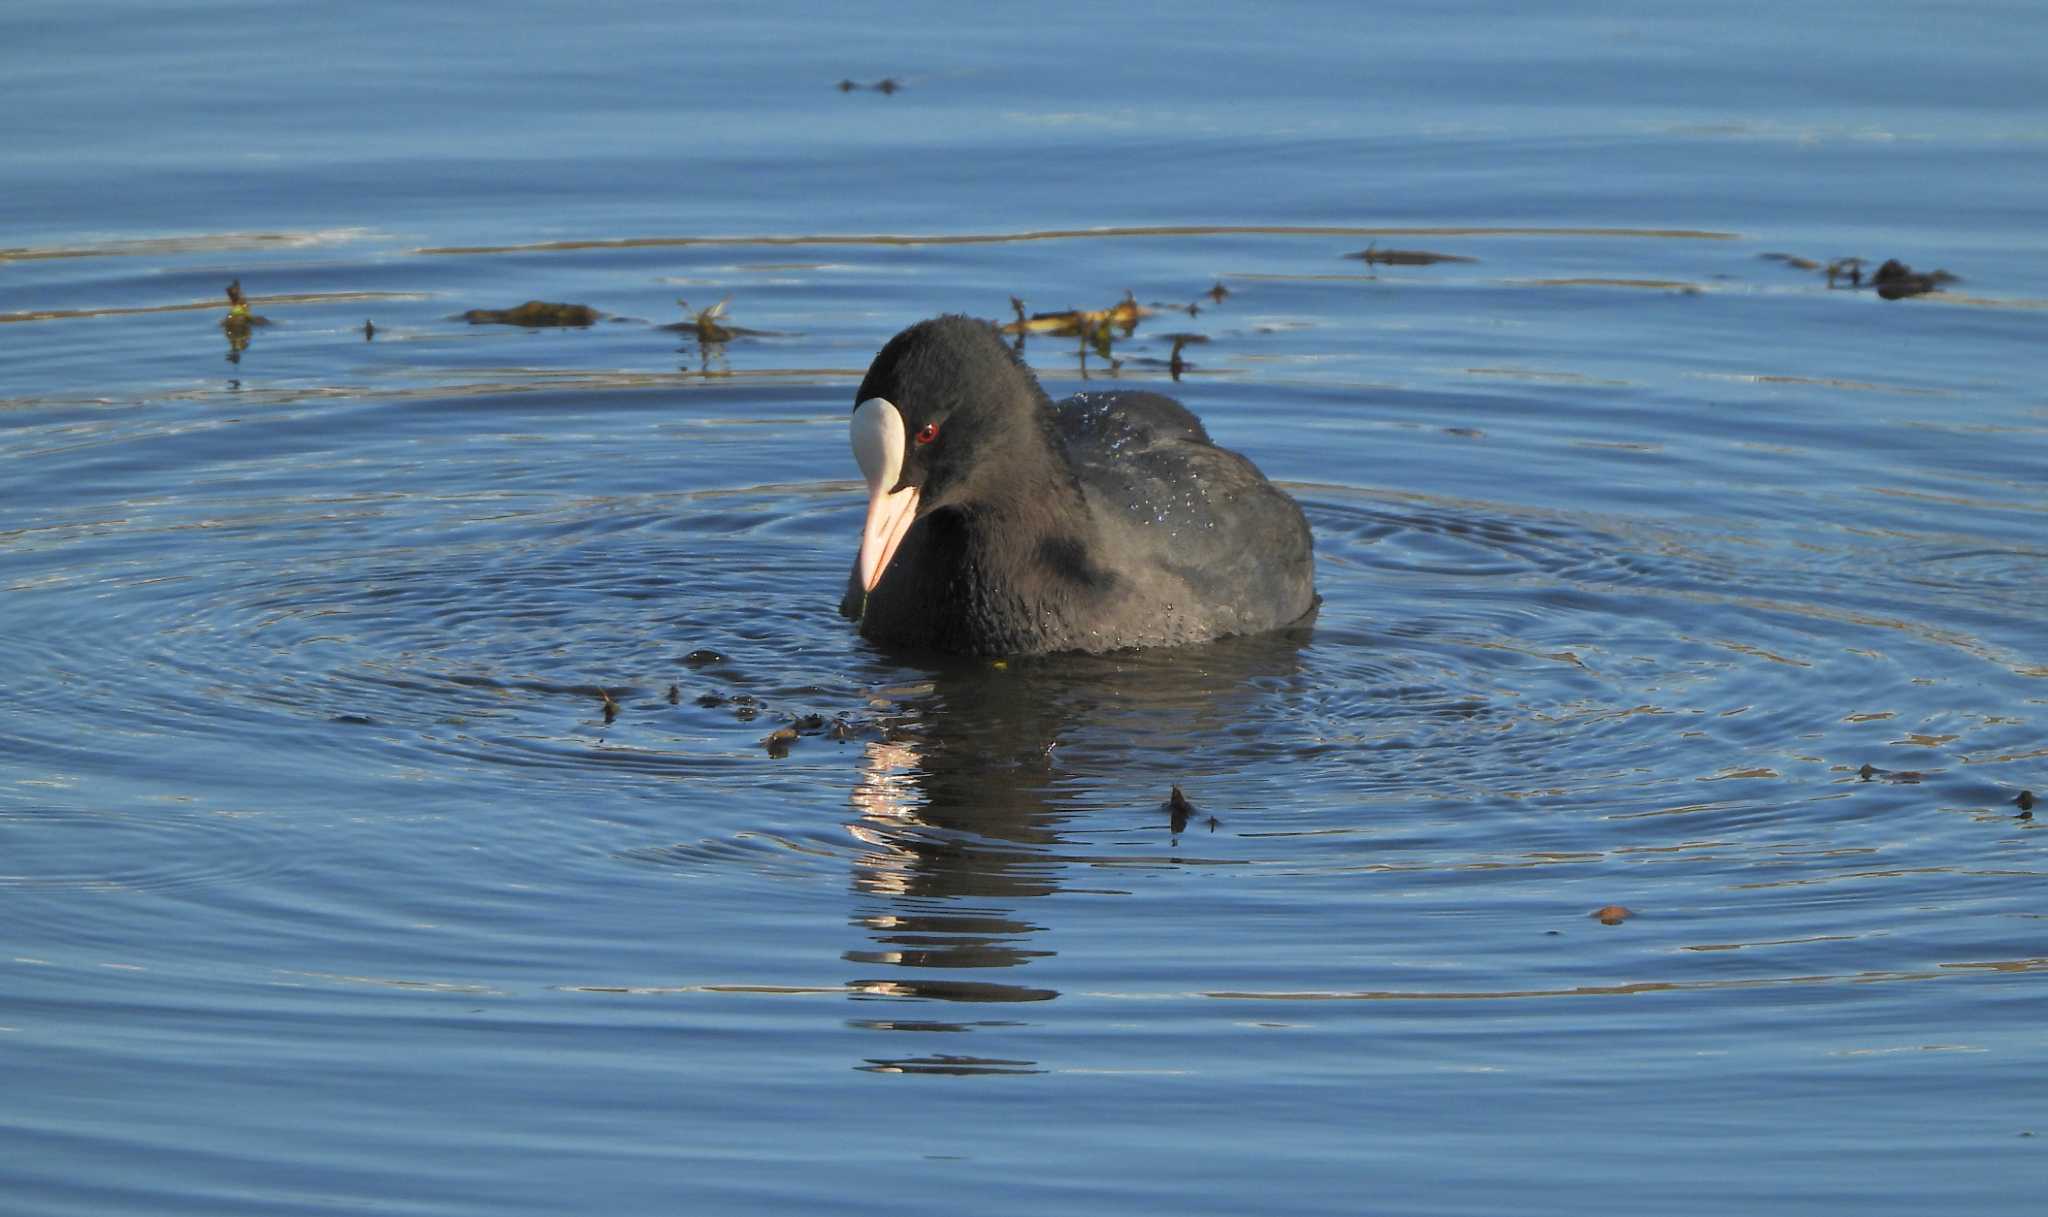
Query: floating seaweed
[
  {"x": 1373, "y": 255},
  {"x": 1086, "y": 323},
  {"x": 710, "y": 326},
  {"x": 1792, "y": 260},
  {"x": 239, "y": 317},
  {"x": 239, "y": 322},
  {"x": 704, "y": 324},
  {"x": 1175, "y": 363},
  {"x": 535, "y": 314},
  {"x": 1216, "y": 294},
  {"x": 1895, "y": 280}
]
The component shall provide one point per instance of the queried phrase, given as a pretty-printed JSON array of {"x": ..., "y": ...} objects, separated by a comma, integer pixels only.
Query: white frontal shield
[{"x": 877, "y": 434}]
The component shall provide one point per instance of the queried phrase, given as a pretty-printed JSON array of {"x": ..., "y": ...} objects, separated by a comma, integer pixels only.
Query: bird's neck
[
  {"x": 1028, "y": 575},
  {"x": 1031, "y": 494}
]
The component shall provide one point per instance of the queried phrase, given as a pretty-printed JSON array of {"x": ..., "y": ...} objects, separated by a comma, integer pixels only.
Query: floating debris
[
  {"x": 1094, "y": 328},
  {"x": 809, "y": 724},
  {"x": 369, "y": 330},
  {"x": 777, "y": 742},
  {"x": 704, "y": 323},
  {"x": 535, "y": 314},
  {"x": 239, "y": 317},
  {"x": 710, "y": 326},
  {"x": 1373, "y": 255},
  {"x": 887, "y": 84},
  {"x": 711, "y": 701},
  {"x": 1792, "y": 260},
  {"x": 1666, "y": 285},
  {"x": 1895, "y": 280},
  {"x": 611, "y": 708},
  {"x": 675, "y": 695},
  {"x": 1087, "y": 323},
  {"x": 840, "y": 729},
  {"x": 1174, "y": 363},
  {"x": 239, "y": 322},
  {"x": 1612, "y": 914}
]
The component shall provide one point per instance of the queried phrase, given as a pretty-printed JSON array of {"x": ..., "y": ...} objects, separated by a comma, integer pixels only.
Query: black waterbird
[{"x": 999, "y": 523}]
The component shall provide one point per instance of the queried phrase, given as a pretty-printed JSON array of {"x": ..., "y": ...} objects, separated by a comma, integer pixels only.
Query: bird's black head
[{"x": 968, "y": 410}]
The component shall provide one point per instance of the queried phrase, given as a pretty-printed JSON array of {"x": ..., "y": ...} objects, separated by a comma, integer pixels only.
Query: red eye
[{"x": 927, "y": 433}]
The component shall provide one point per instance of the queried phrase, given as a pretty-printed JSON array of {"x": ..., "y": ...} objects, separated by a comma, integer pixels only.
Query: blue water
[{"x": 1656, "y": 573}]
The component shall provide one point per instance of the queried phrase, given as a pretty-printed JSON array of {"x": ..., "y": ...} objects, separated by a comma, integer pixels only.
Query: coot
[{"x": 1001, "y": 524}]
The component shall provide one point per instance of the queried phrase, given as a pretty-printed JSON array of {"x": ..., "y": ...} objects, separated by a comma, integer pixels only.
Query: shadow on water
[{"x": 965, "y": 806}]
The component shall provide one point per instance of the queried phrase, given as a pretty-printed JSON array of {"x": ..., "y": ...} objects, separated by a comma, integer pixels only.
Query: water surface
[{"x": 1656, "y": 573}]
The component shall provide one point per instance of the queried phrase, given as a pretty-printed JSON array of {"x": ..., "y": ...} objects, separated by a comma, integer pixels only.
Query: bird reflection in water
[{"x": 974, "y": 802}]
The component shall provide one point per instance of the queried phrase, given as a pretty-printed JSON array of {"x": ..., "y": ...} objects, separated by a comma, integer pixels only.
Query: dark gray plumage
[{"x": 1105, "y": 522}]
